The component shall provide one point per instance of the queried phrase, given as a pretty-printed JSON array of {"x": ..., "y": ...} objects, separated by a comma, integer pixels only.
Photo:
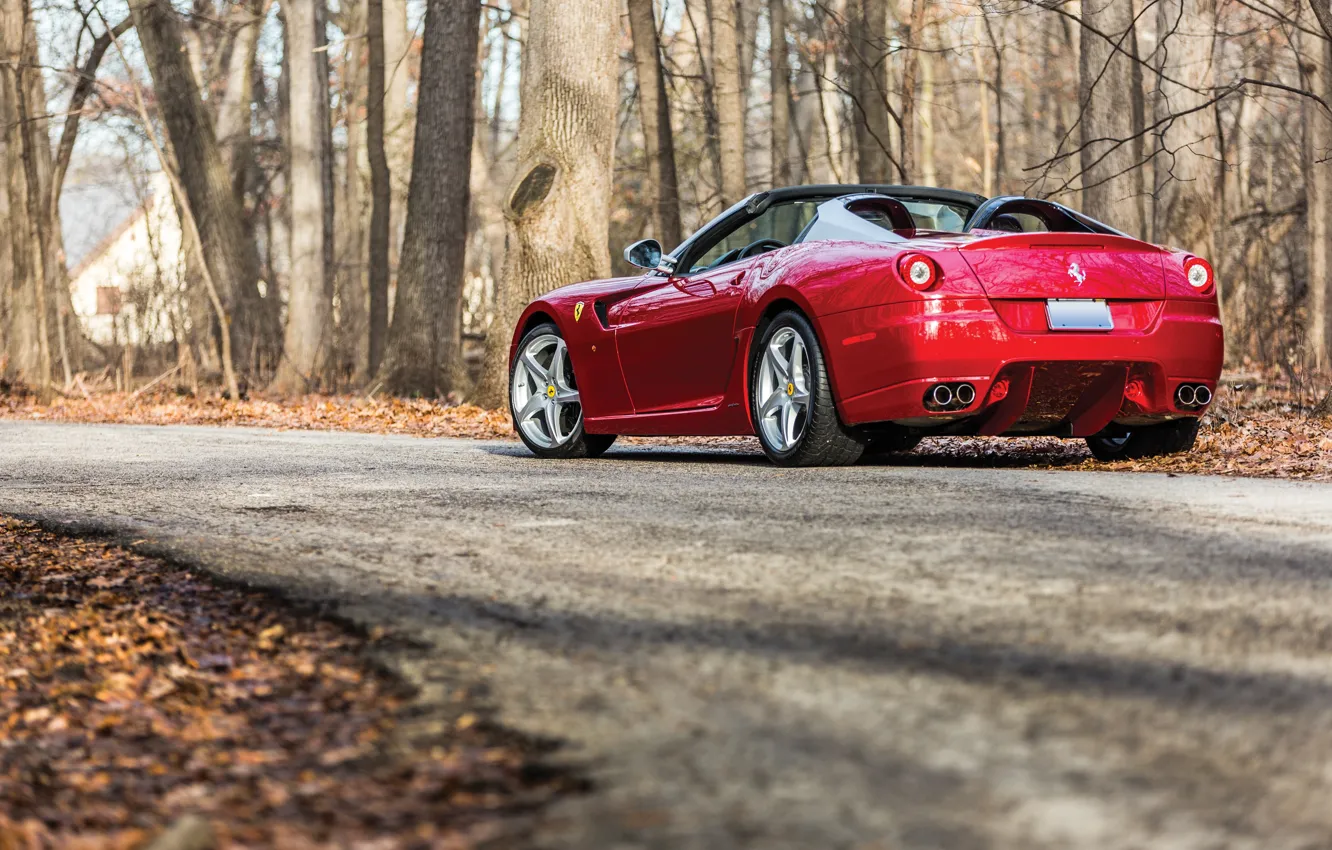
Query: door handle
[{"x": 738, "y": 279}]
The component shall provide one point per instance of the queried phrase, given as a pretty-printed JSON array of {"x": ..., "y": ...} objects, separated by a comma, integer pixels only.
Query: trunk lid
[{"x": 1066, "y": 265}]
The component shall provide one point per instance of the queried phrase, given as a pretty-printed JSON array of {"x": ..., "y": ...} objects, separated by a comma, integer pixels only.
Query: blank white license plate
[{"x": 1078, "y": 315}]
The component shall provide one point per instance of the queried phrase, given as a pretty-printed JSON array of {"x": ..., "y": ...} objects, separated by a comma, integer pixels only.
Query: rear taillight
[
  {"x": 1199, "y": 274},
  {"x": 918, "y": 272}
]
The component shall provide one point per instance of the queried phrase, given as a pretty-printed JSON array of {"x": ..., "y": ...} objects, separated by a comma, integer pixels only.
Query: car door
[{"x": 676, "y": 337}]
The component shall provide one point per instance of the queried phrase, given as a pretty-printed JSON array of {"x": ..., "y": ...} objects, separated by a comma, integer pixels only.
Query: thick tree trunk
[
  {"x": 233, "y": 112},
  {"x": 780, "y": 66},
  {"x": 1185, "y": 151},
  {"x": 559, "y": 206},
  {"x": 424, "y": 355},
  {"x": 34, "y": 227},
  {"x": 730, "y": 101},
  {"x": 1112, "y": 172},
  {"x": 655, "y": 114},
  {"x": 229, "y": 253},
  {"x": 306, "y": 343},
  {"x": 1318, "y": 194},
  {"x": 868, "y": 39},
  {"x": 381, "y": 193}
]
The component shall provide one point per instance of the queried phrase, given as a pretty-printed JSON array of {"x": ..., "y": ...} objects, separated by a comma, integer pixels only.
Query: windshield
[{"x": 934, "y": 215}]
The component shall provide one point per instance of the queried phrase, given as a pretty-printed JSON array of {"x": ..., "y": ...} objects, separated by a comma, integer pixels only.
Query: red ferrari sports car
[{"x": 834, "y": 321}]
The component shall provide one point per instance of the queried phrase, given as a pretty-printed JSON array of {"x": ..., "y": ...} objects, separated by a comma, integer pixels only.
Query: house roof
[{"x": 94, "y": 215}]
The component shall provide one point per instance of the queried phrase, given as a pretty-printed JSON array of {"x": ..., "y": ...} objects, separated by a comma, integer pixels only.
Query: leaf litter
[{"x": 133, "y": 693}]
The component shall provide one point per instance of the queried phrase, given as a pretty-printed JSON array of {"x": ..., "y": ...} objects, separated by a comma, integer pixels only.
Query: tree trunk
[
  {"x": 1112, "y": 176},
  {"x": 1318, "y": 194},
  {"x": 983, "y": 99},
  {"x": 913, "y": 35},
  {"x": 559, "y": 206},
  {"x": 305, "y": 346},
  {"x": 35, "y": 225},
  {"x": 424, "y": 355},
  {"x": 779, "y": 63},
  {"x": 230, "y": 255},
  {"x": 655, "y": 114},
  {"x": 1000, "y": 154},
  {"x": 730, "y": 101},
  {"x": 350, "y": 264},
  {"x": 397, "y": 120},
  {"x": 929, "y": 176},
  {"x": 233, "y": 112},
  {"x": 873, "y": 122},
  {"x": 381, "y": 193},
  {"x": 1184, "y": 206}
]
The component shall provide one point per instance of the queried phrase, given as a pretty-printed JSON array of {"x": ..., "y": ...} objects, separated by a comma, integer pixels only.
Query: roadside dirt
[{"x": 133, "y": 692}]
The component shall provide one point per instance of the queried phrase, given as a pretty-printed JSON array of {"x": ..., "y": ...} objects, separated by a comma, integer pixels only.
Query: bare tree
[
  {"x": 1111, "y": 118},
  {"x": 231, "y": 257},
  {"x": 424, "y": 355},
  {"x": 730, "y": 101},
  {"x": 1318, "y": 194},
  {"x": 654, "y": 111},
  {"x": 871, "y": 111},
  {"x": 559, "y": 206},
  {"x": 381, "y": 192},
  {"x": 308, "y": 336},
  {"x": 233, "y": 111},
  {"x": 33, "y": 230},
  {"x": 780, "y": 69}
]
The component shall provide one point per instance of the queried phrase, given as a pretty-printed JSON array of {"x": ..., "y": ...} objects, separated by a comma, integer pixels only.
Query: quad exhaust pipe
[
  {"x": 950, "y": 396},
  {"x": 1193, "y": 396}
]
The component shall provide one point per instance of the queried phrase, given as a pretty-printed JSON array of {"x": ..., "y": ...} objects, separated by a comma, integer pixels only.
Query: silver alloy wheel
[
  {"x": 545, "y": 402},
  {"x": 781, "y": 392}
]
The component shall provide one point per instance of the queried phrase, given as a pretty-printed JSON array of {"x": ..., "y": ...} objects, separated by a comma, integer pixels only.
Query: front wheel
[
  {"x": 544, "y": 398},
  {"x": 1149, "y": 441},
  {"x": 791, "y": 400}
]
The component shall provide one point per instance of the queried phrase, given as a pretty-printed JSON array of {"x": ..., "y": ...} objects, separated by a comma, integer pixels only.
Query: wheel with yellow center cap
[
  {"x": 791, "y": 399},
  {"x": 543, "y": 396}
]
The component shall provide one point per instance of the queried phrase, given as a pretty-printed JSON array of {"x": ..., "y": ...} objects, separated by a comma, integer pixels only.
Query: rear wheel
[
  {"x": 791, "y": 400},
  {"x": 544, "y": 399},
  {"x": 1149, "y": 441}
]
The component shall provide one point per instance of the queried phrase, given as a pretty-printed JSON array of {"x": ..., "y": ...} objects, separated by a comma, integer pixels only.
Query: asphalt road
[{"x": 742, "y": 656}]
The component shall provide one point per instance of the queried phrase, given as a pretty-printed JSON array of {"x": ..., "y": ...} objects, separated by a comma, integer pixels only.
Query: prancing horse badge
[{"x": 578, "y": 311}]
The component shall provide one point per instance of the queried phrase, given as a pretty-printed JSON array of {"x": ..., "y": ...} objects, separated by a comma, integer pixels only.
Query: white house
[{"x": 128, "y": 266}]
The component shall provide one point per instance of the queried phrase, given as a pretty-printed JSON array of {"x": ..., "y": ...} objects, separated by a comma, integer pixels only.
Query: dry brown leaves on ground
[
  {"x": 132, "y": 692},
  {"x": 311, "y": 413},
  {"x": 1253, "y": 429}
]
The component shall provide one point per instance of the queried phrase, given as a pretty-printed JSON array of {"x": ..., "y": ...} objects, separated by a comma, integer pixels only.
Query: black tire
[
  {"x": 824, "y": 440},
  {"x": 1131, "y": 443},
  {"x": 580, "y": 443}
]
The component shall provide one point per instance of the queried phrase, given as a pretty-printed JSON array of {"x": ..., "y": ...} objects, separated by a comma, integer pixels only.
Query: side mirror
[{"x": 646, "y": 254}]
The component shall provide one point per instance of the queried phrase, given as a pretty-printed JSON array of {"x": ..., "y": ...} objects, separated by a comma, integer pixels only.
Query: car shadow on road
[
  {"x": 650, "y": 453},
  {"x": 945, "y": 453}
]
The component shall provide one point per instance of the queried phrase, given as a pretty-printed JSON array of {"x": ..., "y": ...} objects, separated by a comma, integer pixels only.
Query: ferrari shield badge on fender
[{"x": 578, "y": 311}]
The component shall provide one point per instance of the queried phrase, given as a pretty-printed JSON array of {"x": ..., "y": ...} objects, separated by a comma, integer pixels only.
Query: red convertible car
[{"x": 835, "y": 321}]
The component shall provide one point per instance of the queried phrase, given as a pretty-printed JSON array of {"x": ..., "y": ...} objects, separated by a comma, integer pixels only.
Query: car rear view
[{"x": 1073, "y": 334}]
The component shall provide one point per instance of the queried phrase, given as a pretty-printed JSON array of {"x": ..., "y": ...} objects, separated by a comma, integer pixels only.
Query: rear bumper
[{"x": 884, "y": 360}]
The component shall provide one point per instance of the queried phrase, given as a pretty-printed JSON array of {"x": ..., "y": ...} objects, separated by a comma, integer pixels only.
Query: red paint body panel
[{"x": 657, "y": 355}]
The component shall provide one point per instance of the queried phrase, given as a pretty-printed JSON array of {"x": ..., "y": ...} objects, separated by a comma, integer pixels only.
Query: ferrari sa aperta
[{"x": 835, "y": 321}]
